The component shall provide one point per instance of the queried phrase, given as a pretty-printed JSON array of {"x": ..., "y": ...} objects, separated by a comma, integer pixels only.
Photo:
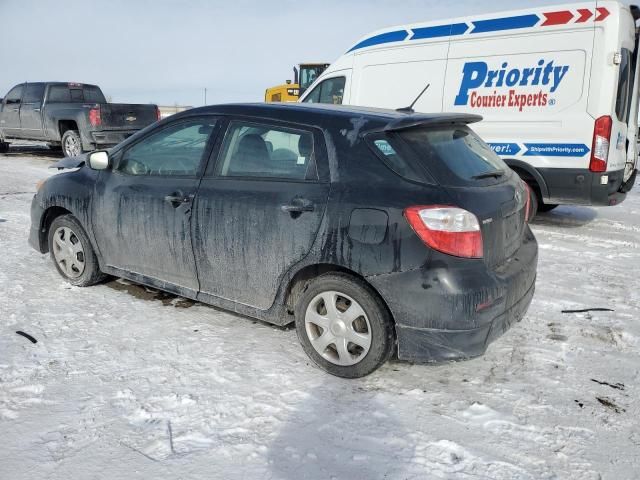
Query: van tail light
[
  {"x": 600, "y": 147},
  {"x": 450, "y": 230},
  {"x": 527, "y": 207},
  {"x": 94, "y": 117},
  {"x": 158, "y": 116}
]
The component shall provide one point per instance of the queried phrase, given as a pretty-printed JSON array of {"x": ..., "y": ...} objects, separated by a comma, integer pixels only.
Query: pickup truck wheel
[
  {"x": 4, "y": 147},
  {"x": 71, "y": 143}
]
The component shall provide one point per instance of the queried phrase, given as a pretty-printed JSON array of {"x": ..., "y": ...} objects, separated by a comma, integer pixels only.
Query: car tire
[
  {"x": 78, "y": 265},
  {"x": 546, "y": 207},
  {"x": 4, "y": 147},
  {"x": 372, "y": 329},
  {"x": 71, "y": 143}
]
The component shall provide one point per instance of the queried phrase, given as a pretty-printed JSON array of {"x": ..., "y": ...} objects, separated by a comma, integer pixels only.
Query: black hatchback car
[{"x": 374, "y": 231}]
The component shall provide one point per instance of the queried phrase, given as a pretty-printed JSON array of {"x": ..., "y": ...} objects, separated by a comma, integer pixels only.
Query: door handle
[
  {"x": 15, "y": 110},
  {"x": 36, "y": 109},
  {"x": 298, "y": 205},
  {"x": 176, "y": 199}
]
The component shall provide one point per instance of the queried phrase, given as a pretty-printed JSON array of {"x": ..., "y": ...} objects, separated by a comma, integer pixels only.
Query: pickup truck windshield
[
  {"x": 79, "y": 94},
  {"x": 453, "y": 155}
]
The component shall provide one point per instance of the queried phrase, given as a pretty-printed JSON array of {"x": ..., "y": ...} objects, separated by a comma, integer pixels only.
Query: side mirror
[{"x": 98, "y": 160}]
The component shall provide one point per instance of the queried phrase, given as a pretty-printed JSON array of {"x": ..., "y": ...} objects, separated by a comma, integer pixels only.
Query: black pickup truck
[{"x": 72, "y": 116}]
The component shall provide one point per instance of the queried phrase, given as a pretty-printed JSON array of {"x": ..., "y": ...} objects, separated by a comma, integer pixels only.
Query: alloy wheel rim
[
  {"x": 68, "y": 252},
  {"x": 72, "y": 146},
  {"x": 338, "y": 328}
]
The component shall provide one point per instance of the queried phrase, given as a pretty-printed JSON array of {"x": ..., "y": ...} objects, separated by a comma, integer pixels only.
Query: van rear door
[{"x": 632, "y": 126}]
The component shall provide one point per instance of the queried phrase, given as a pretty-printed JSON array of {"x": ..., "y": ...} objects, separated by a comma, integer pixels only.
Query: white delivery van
[{"x": 557, "y": 88}]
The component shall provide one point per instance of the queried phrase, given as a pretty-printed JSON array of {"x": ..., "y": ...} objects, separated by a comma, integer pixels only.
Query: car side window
[
  {"x": 175, "y": 150},
  {"x": 256, "y": 150},
  {"x": 33, "y": 93},
  {"x": 329, "y": 91},
  {"x": 14, "y": 96}
]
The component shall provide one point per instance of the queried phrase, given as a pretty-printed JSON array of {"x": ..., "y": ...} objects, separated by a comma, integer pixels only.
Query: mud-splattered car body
[{"x": 247, "y": 245}]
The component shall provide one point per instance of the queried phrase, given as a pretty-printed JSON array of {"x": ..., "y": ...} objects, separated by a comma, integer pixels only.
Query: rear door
[
  {"x": 31, "y": 111},
  {"x": 10, "y": 119},
  {"x": 258, "y": 209},
  {"x": 142, "y": 209}
]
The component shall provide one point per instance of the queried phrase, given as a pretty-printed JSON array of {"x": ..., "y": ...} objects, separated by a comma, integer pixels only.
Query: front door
[
  {"x": 30, "y": 111},
  {"x": 142, "y": 209},
  {"x": 10, "y": 118},
  {"x": 258, "y": 210}
]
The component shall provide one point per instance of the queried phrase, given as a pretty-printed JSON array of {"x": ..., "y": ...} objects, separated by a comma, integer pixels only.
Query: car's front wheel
[
  {"x": 343, "y": 326},
  {"x": 72, "y": 253}
]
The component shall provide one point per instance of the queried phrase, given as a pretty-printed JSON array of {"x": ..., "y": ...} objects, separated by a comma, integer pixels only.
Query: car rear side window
[
  {"x": 453, "y": 155},
  {"x": 174, "y": 150},
  {"x": 266, "y": 151},
  {"x": 394, "y": 160},
  {"x": 93, "y": 95}
]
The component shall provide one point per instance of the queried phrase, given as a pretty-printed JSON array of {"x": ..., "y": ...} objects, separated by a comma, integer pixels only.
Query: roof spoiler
[{"x": 415, "y": 121}]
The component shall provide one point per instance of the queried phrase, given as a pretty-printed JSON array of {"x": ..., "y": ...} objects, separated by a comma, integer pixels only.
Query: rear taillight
[
  {"x": 450, "y": 230},
  {"x": 94, "y": 117},
  {"x": 158, "y": 116},
  {"x": 600, "y": 147},
  {"x": 527, "y": 207}
]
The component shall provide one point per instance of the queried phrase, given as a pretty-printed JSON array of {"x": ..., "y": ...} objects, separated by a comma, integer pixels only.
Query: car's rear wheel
[
  {"x": 72, "y": 253},
  {"x": 343, "y": 326},
  {"x": 4, "y": 147},
  {"x": 71, "y": 143}
]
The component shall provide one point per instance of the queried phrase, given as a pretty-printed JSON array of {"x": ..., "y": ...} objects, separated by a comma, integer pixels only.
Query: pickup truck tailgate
[{"x": 127, "y": 116}]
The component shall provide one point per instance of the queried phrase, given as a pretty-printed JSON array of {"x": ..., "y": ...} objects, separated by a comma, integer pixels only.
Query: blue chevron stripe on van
[
  {"x": 439, "y": 31},
  {"x": 477, "y": 26},
  {"x": 506, "y": 23},
  {"x": 388, "y": 37}
]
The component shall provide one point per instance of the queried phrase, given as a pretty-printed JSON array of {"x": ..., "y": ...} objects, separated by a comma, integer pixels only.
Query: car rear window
[
  {"x": 75, "y": 94},
  {"x": 453, "y": 155}
]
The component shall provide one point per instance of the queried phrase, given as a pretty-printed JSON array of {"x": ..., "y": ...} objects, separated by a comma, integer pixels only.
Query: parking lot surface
[{"x": 128, "y": 382}]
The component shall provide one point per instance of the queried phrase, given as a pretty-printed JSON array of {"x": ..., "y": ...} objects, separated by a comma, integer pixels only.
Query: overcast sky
[{"x": 168, "y": 51}]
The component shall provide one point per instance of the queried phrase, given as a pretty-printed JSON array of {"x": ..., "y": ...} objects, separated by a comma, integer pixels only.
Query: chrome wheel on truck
[
  {"x": 343, "y": 325},
  {"x": 71, "y": 143}
]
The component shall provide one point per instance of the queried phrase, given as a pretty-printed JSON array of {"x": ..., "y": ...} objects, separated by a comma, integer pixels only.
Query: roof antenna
[{"x": 410, "y": 109}]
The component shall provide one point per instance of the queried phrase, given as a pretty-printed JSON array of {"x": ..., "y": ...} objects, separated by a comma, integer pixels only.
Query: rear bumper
[
  {"x": 452, "y": 308},
  {"x": 109, "y": 138},
  {"x": 583, "y": 187}
]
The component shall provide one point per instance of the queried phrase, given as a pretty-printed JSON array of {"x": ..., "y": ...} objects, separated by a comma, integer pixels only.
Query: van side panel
[{"x": 394, "y": 77}]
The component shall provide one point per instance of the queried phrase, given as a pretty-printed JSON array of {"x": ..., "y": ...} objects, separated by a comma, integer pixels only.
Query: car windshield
[{"x": 454, "y": 155}]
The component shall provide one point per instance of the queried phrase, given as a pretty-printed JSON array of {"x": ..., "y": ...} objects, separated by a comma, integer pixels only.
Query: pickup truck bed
[{"x": 74, "y": 116}]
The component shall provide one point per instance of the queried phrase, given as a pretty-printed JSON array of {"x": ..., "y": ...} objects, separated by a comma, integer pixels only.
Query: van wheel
[
  {"x": 71, "y": 143},
  {"x": 72, "y": 253},
  {"x": 547, "y": 207},
  {"x": 343, "y": 326},
  {"x": 4, "y": 147}
]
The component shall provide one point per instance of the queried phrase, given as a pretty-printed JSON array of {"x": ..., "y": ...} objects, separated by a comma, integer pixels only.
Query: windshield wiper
[{"x": 493, "y": 174}]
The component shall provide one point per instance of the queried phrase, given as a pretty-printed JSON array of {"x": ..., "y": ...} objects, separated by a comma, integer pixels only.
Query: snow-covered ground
[{"x": 130, "y": 383}]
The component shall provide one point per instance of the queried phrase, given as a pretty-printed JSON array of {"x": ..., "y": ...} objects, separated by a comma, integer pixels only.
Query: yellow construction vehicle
[{"x": 291, "y": 91}]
